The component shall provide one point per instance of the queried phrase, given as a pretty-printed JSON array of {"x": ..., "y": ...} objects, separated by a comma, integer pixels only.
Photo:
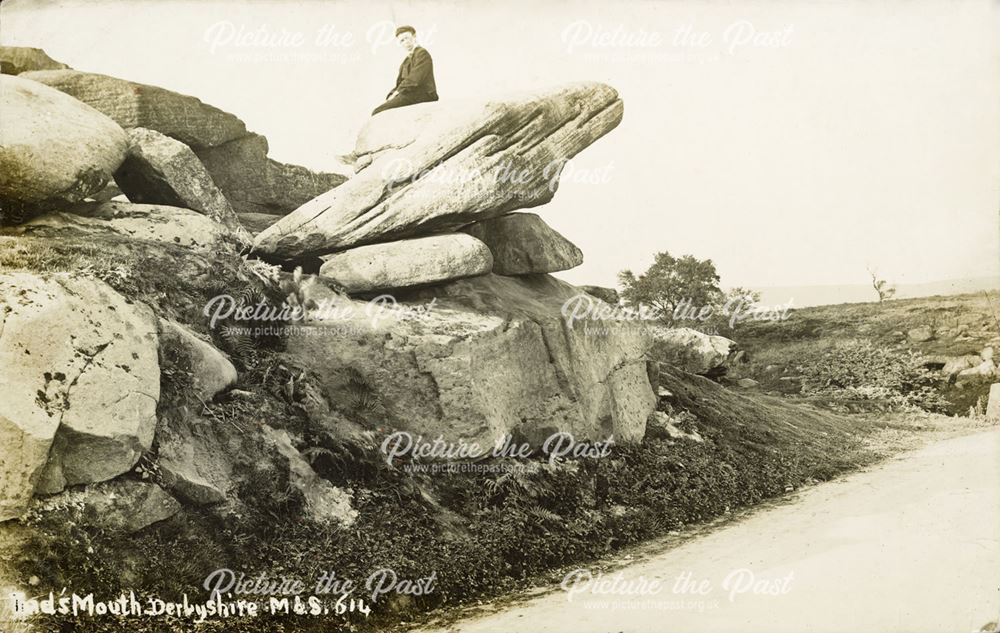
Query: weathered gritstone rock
[
  {"x": 408, "y": 263},
  {"x": 150, "y": 222},
  {"x": 161, "y": 170},
  {"x": 523, "y": 244},
  {"x": 211, "y": 372},
  {"x": 324, "y": 501},
  {"x": 993, "y": 404},
  {"x": 254, "y": 183},
  {"x": 52, "y": 147},
  {"x": 194, "y": 460},
  {"x": 79, "y": 384},
  {"x": 492, "y": 356},
  {"x": 132, "y": 104},
  {"x": 691, "y": 350},
  {"x": 435, "y": 167},
  {"x": 19, "y": 59}
]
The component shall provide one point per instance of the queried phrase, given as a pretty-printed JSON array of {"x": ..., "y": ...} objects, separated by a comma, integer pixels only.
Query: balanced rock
[
  {"x": 52, "y": 147},
  {"x": 150, "y": 222},
  {"x": 161, "y": 170},
  {"x": 477, "y": 359},
  {"x": 132, "y": 104},
  {"x": 15, "y": 60},
  {"x": 691, "y": 350},
  {"x": 80, "y": 380},
  {"x": 254, "y": 183},
  {"x": 210, "y": 371},
  {"x": 407, "y": 263},
  {"x": 523, "y": 244},
  {"x": 435, "y": 167}
]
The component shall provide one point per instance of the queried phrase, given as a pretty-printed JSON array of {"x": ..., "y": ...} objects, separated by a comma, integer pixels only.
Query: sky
[{"x": 792, "y": 143}]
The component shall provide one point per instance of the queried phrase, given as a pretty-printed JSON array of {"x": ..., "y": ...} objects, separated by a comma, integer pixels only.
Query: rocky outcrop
[
  {"x": 132, "y": 105},
  {"x": 691, "y": 350},
  {"x": 149, "y": 222},
  {"x": 254, "y": 183},
  {"x": 209, "y": 370},
  {"x": 324, "y": 502},
  {"x": 477, "y": 359},
  {"x": 161, "y": 170},
  {"x": 408, "y": 263},
  {"x": 436, "y": 167},
  {"x": 52, "y": 147},
  {"x": 523, "y": 244},
  {"x": 15, "y": 60},
  {"x": 80, "y": 381}
]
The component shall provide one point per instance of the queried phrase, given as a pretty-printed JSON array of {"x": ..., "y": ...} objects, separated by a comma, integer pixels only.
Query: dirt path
[{"x": 912, "y": 545}]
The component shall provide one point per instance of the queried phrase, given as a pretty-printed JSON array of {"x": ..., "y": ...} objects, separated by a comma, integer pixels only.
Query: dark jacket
[{"x": 416, "y": 75}]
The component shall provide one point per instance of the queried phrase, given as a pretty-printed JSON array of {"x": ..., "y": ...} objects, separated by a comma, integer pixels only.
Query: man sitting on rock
[{"x": 415, "y": 82}]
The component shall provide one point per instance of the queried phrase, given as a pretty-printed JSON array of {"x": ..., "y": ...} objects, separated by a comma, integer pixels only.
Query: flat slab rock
[
  {"x": 408, "y": 263},
  {"x": 150, "y": 222}
]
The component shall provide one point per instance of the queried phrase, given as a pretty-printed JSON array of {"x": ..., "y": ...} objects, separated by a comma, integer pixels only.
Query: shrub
[{"x": 861, "y": 370}]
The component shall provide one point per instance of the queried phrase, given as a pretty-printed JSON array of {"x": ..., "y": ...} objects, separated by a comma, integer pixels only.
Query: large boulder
[
  {"x": 692, "y": 351},
  {"x": 435, "y": 167},
  {"x": 132, "y": 104},
  {"x": 52, "y": 147},
  {"x": 161, "y": 170},
  {"x": 407, "y": 263},
  {"x": 523, "y": 244},
  {"x": 480, "y": 358},
  {"x": 149, "y": 222},
  {"x": 15, "y": 60},
  {"x": 80, "y": 381},
  {"x": 254, "y": 183}
]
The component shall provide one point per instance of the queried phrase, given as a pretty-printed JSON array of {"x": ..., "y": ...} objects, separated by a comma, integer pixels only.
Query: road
[{"x": 909, "y": 546}]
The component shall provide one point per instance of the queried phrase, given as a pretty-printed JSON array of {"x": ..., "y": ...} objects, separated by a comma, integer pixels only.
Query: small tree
[
  {"x": 669, "y": 281},
  {"x": 882, "y": 287}
]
